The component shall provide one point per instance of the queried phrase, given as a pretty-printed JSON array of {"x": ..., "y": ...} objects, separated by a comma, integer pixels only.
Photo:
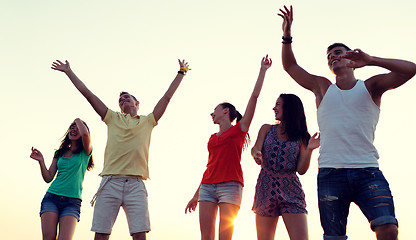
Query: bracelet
[
  {"x": 184, "y": 69},
  {"x": 181, "y": 72},
  {"x": 287, "y": 40}
]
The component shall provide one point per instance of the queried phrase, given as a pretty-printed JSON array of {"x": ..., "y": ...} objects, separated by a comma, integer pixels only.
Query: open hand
[
  {"x": 60, "y": 66},
  {"x": 184, "y": 66},
  {"x": 287, "y": 15},
  {"x": 358, "y": 58}
]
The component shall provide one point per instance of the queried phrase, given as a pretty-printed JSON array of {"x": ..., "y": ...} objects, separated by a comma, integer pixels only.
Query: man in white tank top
[{"x": 348, "y": 161}]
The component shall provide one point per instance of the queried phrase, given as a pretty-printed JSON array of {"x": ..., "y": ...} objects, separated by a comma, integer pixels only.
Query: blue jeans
[
  {"x": 63, "y": 206},
  {"x": 366, "y": 187}
]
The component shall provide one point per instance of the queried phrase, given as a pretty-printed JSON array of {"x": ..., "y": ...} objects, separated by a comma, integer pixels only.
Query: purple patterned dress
[{"x": 278, "y": 188}]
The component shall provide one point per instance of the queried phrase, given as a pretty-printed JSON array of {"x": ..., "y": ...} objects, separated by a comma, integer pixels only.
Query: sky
[{"x": 133, "y": 46}]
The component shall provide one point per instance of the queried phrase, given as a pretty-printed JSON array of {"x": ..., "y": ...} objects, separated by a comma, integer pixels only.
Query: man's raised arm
[
  {"x": 301, "y": 76},
  {"x": 164, "y": 101},
  {"x": 95, "y": 102}
]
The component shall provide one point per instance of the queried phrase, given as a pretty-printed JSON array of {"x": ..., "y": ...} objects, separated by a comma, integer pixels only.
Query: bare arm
[
  {"x": 400, "y": 71},
  {"x": 85, "y": 135},
  {"x": 95, "y": 102},
  {"x": 245, "y": 122},
  {"x": 306, "y": 153},
  {"x": 256, "y": 149},
  {"x": 316, "y": 84},
  {"x": 161, "y": 106},
  {"x": 47, "y": 174},
  {"x": 191, "y": 206}
]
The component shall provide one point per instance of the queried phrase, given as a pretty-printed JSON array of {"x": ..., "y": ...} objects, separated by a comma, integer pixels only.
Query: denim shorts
[
  {"x": 366, "y": 187},
  {"x": 63, "y": 206},
  {"x": 224, "y": 192}
]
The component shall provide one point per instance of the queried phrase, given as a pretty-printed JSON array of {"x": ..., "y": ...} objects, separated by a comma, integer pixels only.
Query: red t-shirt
[{"x": 225, "y": 156}]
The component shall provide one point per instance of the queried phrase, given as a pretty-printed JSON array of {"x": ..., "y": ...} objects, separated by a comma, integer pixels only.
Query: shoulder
[
  {"x": 149, "y": 118},
  {"x": 110, "y": 114},
  {"x": 322, "y": 86},
  {"x": 266, "y": 127}
]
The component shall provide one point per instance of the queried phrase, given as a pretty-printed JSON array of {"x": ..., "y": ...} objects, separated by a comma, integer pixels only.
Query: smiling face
[
  {"x": 73, "y": 132},
  {"x": 334, "y": 53},
  {"x": 127, "y": 101},
  {"x": 334, "y": 58},
  {"x": 278, "y": 109}
]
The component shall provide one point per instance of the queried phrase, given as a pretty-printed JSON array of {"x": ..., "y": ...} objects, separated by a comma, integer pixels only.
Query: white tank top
[{"x": 347, "y": 121}]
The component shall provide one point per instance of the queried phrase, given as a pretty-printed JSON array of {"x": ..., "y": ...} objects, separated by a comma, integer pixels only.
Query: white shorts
[{"x": 121, "y": 191}]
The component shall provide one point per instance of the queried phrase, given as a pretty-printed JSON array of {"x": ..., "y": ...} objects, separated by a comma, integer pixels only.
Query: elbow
[
  {"x": 47, "y": 180},
  {"x": 302, "y": 172}
]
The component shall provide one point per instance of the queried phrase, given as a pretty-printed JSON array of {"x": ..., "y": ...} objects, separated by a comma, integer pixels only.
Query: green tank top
[{"x": 71, "y": 171}]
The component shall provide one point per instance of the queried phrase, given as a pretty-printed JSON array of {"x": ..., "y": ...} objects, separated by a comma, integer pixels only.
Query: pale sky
[{"x": 133, "y": 46}]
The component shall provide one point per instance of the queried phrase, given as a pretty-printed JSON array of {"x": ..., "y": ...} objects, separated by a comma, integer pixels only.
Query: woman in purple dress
[{"x": 282, "y": 150}]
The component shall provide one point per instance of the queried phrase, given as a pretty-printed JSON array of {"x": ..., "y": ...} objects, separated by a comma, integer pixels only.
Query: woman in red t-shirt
[{"x": 222, "y": 183}]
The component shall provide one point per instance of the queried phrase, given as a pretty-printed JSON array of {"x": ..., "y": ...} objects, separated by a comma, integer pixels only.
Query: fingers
[
  {"x": 266, "y": 61},
  {"x": 287, "y": 13},
  {"x": 190, "y": 207},
  {"x": 184, "y": 66},
  {"x": 34, "y": 150}
]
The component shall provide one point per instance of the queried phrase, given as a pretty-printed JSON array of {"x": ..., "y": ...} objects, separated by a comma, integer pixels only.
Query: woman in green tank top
[{"x": 62, "y": 202}]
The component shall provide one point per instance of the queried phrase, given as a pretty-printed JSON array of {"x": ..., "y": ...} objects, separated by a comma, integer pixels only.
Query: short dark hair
[
  {"x": 334, "y": 45},
  {"x": 128, "y": 94}
]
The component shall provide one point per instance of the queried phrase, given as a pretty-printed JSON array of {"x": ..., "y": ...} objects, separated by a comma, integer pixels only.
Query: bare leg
[
  {"x": 207, "y": 216},
  {"x": 386, "y": 232},
  {"x": 49, "y": 222},
  {"x": 296, "y": 225},
  {"x": 67, "y": 225},
  {"x": 139, "y": 236},
  {"x": 101, "y": 236},
  {"x": 228, "y": 212},
  {"x": 266, "y": 227}
]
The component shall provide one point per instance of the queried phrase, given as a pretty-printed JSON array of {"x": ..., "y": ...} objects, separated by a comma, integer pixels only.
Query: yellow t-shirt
[{"x": 128, "y": 141}]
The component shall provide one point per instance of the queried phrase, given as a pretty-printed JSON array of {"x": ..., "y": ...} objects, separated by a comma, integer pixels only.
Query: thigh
[
  {"x": 49, "y": 223},
  {"x": 228, "y": 213},
  {"x": 296, "y": 225},
  {"x": 266, "y": 227},
  {"x": 207, "y": 219},
  {"x": 67, "y": 225},
  {"x": 334, "y": 201},
  {"x": 107, "y": 207},
  {"x": 374, "y": 197},
  {"x": 135, "y": 205}
]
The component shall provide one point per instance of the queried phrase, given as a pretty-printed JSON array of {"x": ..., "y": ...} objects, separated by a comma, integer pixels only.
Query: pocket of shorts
[{"x": 140, "y": 181}]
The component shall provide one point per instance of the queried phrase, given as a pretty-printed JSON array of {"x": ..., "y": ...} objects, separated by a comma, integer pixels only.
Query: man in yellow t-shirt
[{"x": 125, "y": 158}]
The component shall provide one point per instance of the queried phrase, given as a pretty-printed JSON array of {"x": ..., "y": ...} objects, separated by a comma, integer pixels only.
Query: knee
[
  {"x": 139, "y": 236},
  {"x": 101, "y": 236},
  {"x": 387, "y": 231}
]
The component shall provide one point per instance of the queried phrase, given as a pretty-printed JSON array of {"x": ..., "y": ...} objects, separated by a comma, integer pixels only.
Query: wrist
[{"x": 286, "y": 39}]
